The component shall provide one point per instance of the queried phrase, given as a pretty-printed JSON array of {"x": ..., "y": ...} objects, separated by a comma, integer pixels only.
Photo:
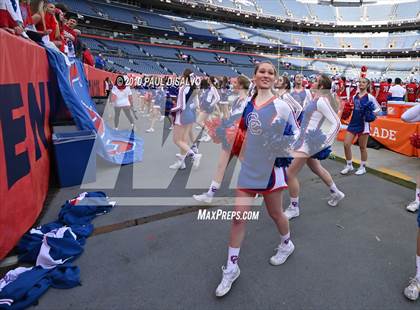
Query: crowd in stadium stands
[
  {"x": 49, "y": 23},
  {"x": 383, "y": 91},
  {"x": 40, "y": 21}
]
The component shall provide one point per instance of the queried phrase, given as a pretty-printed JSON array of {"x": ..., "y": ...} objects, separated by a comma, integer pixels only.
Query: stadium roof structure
[
  {"x": 111, "y": 24},
  {"x": 349, "y": 3},
  {"x": 325, "y": 15}
]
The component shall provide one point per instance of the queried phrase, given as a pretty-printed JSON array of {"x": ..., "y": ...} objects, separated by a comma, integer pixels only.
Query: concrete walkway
[
  {"x": 355, "y": 256},
  {"x": 384, "y": 161}
]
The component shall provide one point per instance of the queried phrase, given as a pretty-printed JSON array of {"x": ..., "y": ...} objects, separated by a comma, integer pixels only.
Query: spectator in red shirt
[
  {"x": 87, "y": 56},
  {"x": 412, "y": 90},
  {"x": 70, "y": 35},
  {"x": 353, "y": 89},
  {"x": 45, "y": 20},
  {"x": 372, "y": 90},
  {"x": 61, "y": 43},
  {"x": 70, "y": 29},
  {"x": 305, "y": 83},
  {"x": 342, "y": 89},
  {"x": 25, "y": 9},
  {"x": 10, "y": 16},
  {"x": 384, "y": 91}
]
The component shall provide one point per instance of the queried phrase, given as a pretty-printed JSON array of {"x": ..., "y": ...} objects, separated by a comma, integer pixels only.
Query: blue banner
[{"x": 117, "y": 146}]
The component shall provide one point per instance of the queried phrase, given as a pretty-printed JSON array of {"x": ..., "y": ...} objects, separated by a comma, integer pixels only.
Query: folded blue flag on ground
[{"x": 24, "y": 286}]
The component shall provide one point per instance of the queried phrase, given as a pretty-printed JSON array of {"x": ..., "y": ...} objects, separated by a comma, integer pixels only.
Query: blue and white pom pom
[
  {"x": 324, "y": 154},
  {"x": 368, "y": 112},
  {"x": 221, "y": 132},
  {"x": 315, "y": 140},
  {"x": 278, "y": 142}
]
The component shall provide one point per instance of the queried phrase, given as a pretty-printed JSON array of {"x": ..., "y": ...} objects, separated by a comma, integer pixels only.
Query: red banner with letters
[
  {"x": 96, "y": 79},
  {"x": 394, "y": 134},
  {"x": 24, "y": 136}
]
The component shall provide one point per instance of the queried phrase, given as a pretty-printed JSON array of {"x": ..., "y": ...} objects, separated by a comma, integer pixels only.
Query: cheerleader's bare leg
[
  {"x": 243, "y": 203},
  {"x": 414, "y": 205},
  {"x": 181, "y": 137},
  {"x": 190, "y": 138},
  {"x": 231, "y": 271},
  {"x": 202, "y": 117},
  {"x": 178, "y": 139},
  {"x": 293, "y": 170},
  {"x": 348, "y": 141},
  {"x": 412, "y": 291},
  {"x": 155, "y": 116},
  {"x": 325, "y": 176},
  {"x": 363, "y": 140},
  {"x": 222, "y": 163},
  {"x": 273, "y": 203}
]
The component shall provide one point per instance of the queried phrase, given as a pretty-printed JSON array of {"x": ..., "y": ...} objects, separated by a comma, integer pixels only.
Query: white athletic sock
[
  {"x": 294, "y": 202},
  {"x": 362, "y": 164},
  {"x": 214, "y": 186},
  {"x": 233, "y": 256},
  {"x": 349, "y": 163},
  {"x": 418, "y": 194},
  {"x": 333, "y": 188},
  {"x": 190, "y": 152},
  {"x": 418, "y": 267},
  {"x": 285, "y": 239}
]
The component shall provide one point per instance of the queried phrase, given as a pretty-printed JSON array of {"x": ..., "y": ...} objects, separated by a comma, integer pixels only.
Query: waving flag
[{"x": 117, "y": 146}]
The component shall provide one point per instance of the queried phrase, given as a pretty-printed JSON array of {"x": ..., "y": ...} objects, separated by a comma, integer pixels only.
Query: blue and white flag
[{"x": 117, "y": 146}]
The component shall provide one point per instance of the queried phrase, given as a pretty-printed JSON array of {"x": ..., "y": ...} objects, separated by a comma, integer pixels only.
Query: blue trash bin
[{"x": 73, "y": 160}]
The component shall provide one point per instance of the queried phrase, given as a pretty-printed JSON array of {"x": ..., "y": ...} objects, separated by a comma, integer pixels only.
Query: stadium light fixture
[{"x": 309, "y": 1}]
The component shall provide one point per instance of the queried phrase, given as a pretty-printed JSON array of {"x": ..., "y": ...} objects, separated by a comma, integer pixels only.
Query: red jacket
[
  {"x": 6, "y": 20},
  {"x": 88, "y": 58},
  {"x": 26, "y": 14},
  {"x": 412, "y": 89},
  {"x": 383, "y": 92}
]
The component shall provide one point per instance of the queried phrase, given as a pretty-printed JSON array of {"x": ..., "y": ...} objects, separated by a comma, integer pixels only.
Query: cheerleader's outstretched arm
[
  {"x": 325, "y": 108},
  {"x": 412, "y": 115}
]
